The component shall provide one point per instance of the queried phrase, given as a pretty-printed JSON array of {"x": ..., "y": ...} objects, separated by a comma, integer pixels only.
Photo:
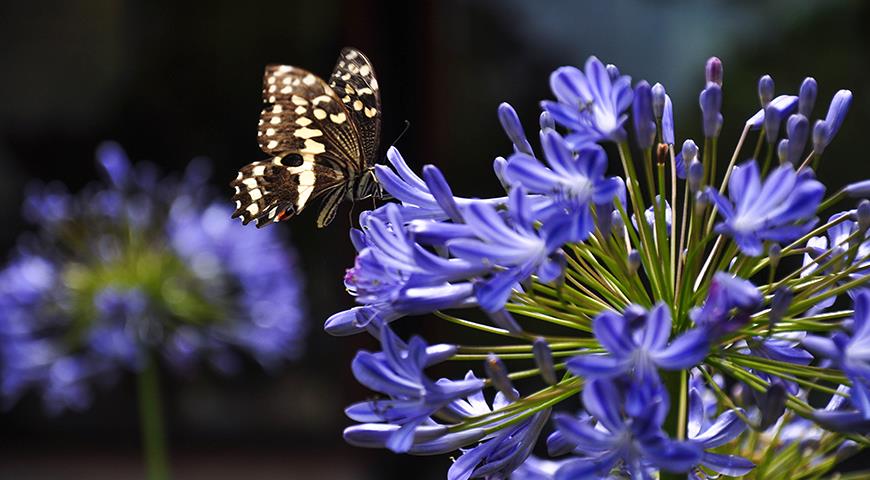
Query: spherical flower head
[
  {"x": 589, "y": 103},
  {"x": 142, "y": 267}
]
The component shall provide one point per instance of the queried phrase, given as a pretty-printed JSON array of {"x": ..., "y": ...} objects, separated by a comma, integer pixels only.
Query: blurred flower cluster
[
  {"x": 710, "y": 325},
  {"x": 135, "y": 269}
]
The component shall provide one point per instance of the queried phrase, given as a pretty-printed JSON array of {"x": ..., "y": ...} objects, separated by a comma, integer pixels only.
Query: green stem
[{"x": 151, "y": 423}]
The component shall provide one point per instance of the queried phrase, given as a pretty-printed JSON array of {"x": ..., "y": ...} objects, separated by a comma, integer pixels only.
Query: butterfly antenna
[{"x": 402, "y": 134}]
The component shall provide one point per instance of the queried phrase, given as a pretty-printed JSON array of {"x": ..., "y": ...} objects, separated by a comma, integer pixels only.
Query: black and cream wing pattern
[{"x": 322, "y": 138}]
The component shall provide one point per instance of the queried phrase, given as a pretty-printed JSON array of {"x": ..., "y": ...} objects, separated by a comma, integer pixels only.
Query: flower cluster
[
  {"x": 134, "y": 269},
  {"x": 672, "y": 298}
]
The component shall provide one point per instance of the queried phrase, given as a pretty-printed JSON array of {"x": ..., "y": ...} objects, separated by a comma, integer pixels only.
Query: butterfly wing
[
  {"x": 275, "y": 190},
  {"x": 314, "y": 142},
  {"x": 353, "y": 80}
]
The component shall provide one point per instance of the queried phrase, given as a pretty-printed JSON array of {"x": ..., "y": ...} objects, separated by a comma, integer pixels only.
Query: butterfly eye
[{"x": 291, "y": 160}]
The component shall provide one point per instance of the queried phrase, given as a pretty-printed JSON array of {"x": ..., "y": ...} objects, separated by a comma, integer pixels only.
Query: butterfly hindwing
[
  {"x": 275, "y": 190},
  {"x": 329, "y": 206},
  {"x": 353, "y": 80}
]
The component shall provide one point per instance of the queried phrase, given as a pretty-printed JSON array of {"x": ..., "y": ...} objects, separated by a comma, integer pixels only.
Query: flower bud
[
  {"x": 546, "y": 121},
  {"x": 633, "y": 261},
  {"x": 544, "y": 360},
  {"x": 858, "y": 189},
  {"x": 765, "y": 90},
  {"x": 772, "y": 119},
  {"x": 798, "y": 129},
  {"x": 779, "y": 305},
  {"x": 497, "y": 373},
  {"x": 612, "y": 71},
  {"x": 821, "y": 132},
  {"x": 711, "y": 106},
  {"x": 510, "y": 122},
  {"x": 862, "y": 213},
  {"x": 498, "y": 167},
  {"x": 807, "y": 96},
  {"x": 774, "y": 253},
  {"x": 695, "y": 175},
  {"x": 658, "y": 100},
  {"x": 782, "y": 150},
  {"x": 771, "y": 405},
  {"x": 642, "y": 114},
  {"x": 505, "y": 320},
  {"x": 713, "y": 72}
]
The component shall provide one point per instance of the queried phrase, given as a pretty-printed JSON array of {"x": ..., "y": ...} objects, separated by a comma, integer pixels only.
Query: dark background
[{"x": 174, "y": 82}]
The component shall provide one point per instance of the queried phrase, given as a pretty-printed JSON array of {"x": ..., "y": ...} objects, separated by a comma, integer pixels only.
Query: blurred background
[{"x": 175, "y": 82}]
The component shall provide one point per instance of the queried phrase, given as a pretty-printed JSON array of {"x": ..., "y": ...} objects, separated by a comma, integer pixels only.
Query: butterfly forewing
[
  {"x": 321, "y": 141},
  {"x": 353, "y": 80}
]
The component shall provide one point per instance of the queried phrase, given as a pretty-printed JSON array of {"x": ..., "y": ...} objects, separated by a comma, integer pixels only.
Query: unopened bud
[
  {"x": 782, "y": 150},
  {"x": 820, "y": 137},
  {"x": 544, "y": 359},
  {"x": 775, "y": 254},
  {"x": 765, "y": 90},
  {"x": 695, "y": 175},
  {"x": 772, "y": 405},
  {"x": 612, "y": 71},
  {"x": 633, "y": 261},
  {"x": 807, "y": 96},
  {"x": 779, "y": 305},
  {"x": 546, "y": 121},
  {"x": 862, "y": 214},
  {"x": 658, "y": 100},
  {"x": 713, "y": 71},
  {"x": 497, "y": 373}
]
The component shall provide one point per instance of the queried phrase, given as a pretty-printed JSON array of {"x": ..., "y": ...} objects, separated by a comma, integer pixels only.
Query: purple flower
[
  {"x": 730, "y": 300},
  {"x": 516, "y": 247},
  {"x": 642, "y": 114},
  {"x": 711, "y": 109},
  {"x": 571, "y": 184},
  {"x": 397, "y": 371},
  {"x": 637, "y": 342},
  {"x": 498, "y": 454},
  {"x": 833, "y": 120},
  {"x": 140, "y": 265},
  {"x": 418, "y": 200},
  {"x": 798, "y": 130},
  {"x": 710, "y": 435},
  {"x": 779, "y": 107},
  {"x": 850, "y": 353},
  {"x": 781, "y": 209},
  {"x": 807, "y": 96},
  {"x": 614, "y": 434},
  {"x": 590, "y": 104}
]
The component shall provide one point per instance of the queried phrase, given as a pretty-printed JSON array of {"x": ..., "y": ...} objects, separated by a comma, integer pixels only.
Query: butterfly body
[{"x": 323, "y": 139}]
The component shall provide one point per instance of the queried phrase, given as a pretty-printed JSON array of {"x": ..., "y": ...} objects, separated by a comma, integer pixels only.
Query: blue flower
[
  {"x": 572, "y": 184},
  {"x": 730, "y": 300},
  {"x": 643, "y": 116},
  {"x": 613, "y": 434},
  {"x": 417, "y": 197},
  {"x": 516, "y": 248},
  {"x": 134, "y": 267},
  {"x": 709, "y": 435},
  {"x": 711, "y": 108},
  {"x": 851, "y": 353},
  {"x": 780, "y": 209},
  {"x": 397, "y": 371},
  {"x": 590, "y": 104},
  {"x": 498, "y": 454},
  {"x": 637, "y": 342},
  {"x": 824, "y": 130}
]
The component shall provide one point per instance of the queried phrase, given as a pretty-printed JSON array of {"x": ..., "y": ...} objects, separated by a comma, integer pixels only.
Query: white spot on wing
[
  {"x": 365, "y": 70},
  {"x": 339, "y": 119},
  {"x": 315, "y": 147},
  {"x": 258, "y": 170},
  {"x": 319, "y": 113},
  {"x": 306, "y": 132}
]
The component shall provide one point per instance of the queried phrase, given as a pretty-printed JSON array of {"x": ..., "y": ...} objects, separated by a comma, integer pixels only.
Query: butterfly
[{"x": 323, "y": 139}]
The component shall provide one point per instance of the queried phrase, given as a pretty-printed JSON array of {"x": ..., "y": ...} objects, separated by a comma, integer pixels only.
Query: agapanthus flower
[
  {"x": 851, "y": 353},
  {"x": 589, "y": 103},
  {"x": 670, "y": 298},
  {"x": 397, "y": 371},
  {"x": 135, "y": 269},
  {"x": 780, "y": 209},
  {"x": 499, "y": 454},
  {"x": 638, "y": 342}
]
